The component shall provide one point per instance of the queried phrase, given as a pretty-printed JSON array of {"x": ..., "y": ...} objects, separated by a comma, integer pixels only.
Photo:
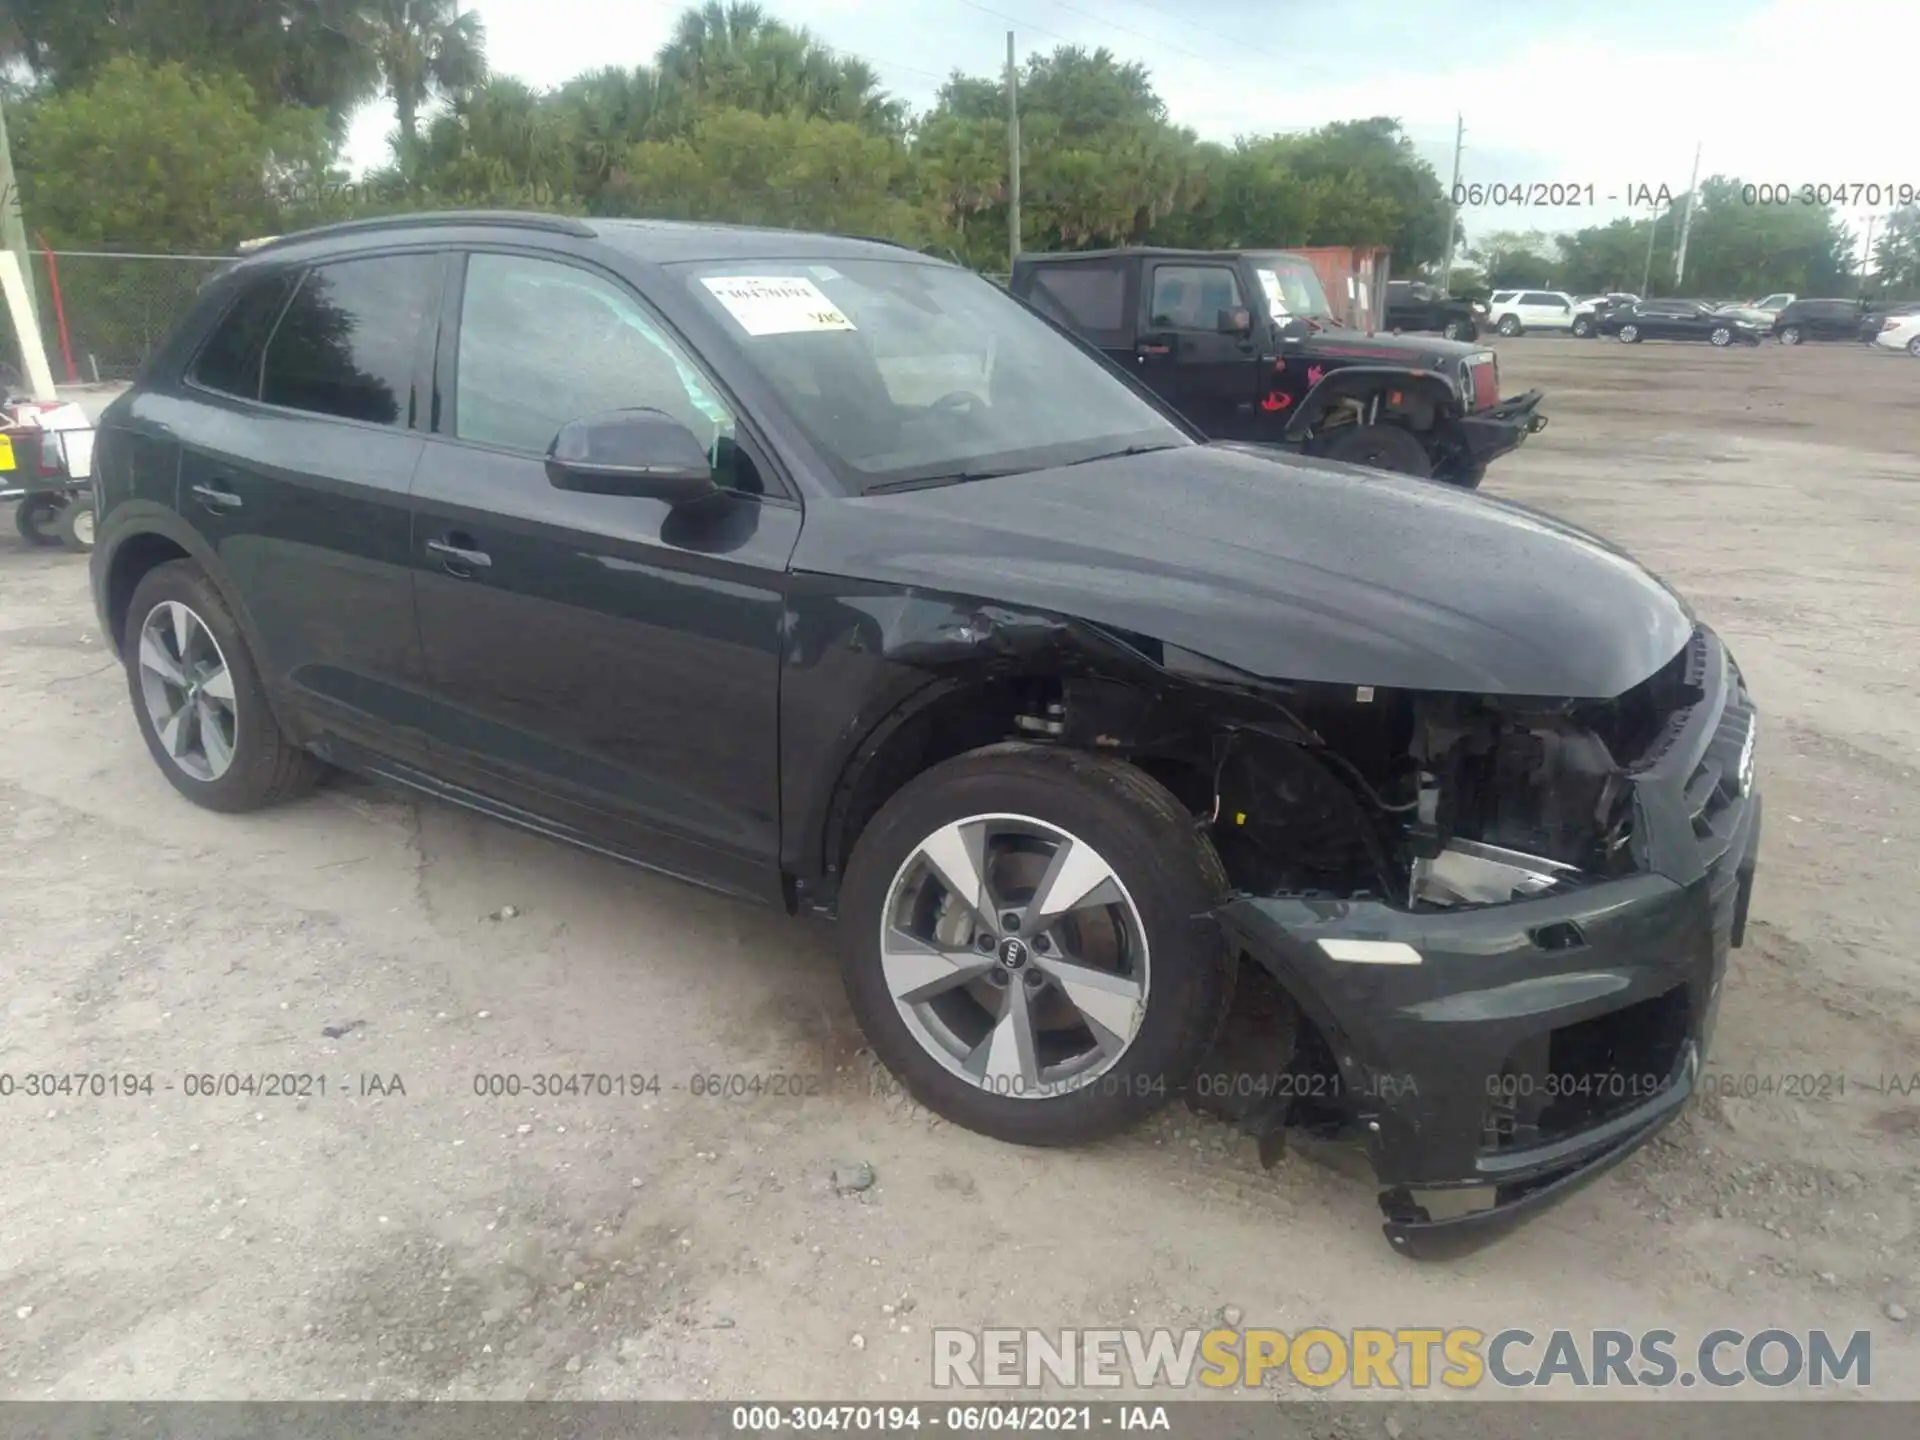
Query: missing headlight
[{"x": 1467, "y": 872}]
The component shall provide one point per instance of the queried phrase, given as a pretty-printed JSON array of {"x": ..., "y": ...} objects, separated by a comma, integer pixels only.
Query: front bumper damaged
[
  {"x": 1500, "y": 429},
  {"x": 1492, "y": 1059}
]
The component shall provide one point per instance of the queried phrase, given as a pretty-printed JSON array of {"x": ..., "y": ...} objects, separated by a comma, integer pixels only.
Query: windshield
[
  {"x": 1293, "y": 289},
  {"x": 902, "y": 371}
]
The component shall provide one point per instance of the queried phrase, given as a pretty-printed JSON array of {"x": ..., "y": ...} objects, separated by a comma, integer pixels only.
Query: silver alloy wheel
[
  {"x": 83, "y": 520},
  {"x": 188, "y": 691},
  {"x": 1722, "y": 336},
  {"x": 1015, "y": 955},
  {"x": 1629, "y": 333},
  {"x": 1790, "y": 335},
  {"x": 1509, "y": 326}
]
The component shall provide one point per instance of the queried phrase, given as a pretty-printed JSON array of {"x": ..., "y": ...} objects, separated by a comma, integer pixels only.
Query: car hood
[
  {"x": 1279, "y": 566},
  {"x": 1358, "y": 347}
]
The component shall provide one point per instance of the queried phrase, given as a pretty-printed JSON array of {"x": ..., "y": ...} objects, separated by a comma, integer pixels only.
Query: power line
[
  {"x": 1098, "y": 20},
  {"x": 1016, "y": 23},
  {"x": 1293, "y": 65}
]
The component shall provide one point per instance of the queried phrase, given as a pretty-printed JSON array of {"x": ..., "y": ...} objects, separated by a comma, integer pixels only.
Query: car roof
[
  {"x": 659, "y": 241},
  {"x": 1158, "y": 252}
]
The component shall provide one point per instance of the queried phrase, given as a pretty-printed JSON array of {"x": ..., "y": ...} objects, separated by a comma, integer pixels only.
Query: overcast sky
[{"x": 1612, "y": 93}]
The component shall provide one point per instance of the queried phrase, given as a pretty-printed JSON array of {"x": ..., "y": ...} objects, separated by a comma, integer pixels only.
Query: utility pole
[
  {"x": 1013, "y": 158},
  {"x": 13, "y": 229},
  {"x": 1453, "y": 210},
  {"x": 1686, "y": 224},
  {"x": 1866, "y": 262}
]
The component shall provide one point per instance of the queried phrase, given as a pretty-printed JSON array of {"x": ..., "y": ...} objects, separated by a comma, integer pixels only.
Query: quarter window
[
  {"x": 230, "y": 360},
  {"x": 350, "y": 339},
  {"x": 544, "y": 343}
]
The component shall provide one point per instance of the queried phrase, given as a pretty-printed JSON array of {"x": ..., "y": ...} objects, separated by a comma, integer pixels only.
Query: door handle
[
  {"x": 459, "y": 560},
  {"x": 216, "y": 499}
]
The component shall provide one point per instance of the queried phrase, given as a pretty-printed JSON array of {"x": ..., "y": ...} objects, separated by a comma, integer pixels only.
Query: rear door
[
  {"x": 295, "y": 464},
  {"x": 1543, "y": 310},
  {"x": 1212, "y": 378},
  {"x": 1836, "y": 320},
  {"x": 604, "y": 663}
]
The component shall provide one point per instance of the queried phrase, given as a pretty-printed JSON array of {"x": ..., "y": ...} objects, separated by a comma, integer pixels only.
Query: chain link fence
[{"x": 117, "y": 307}]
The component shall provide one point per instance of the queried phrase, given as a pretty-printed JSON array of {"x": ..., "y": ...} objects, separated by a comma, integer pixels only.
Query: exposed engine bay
[{"x": 1422, "y": 801}]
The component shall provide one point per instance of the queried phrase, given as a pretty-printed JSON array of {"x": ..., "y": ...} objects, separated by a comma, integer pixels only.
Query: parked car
[
  {"x": 1588, "y": 309},
  {"x": 1761, "y": 320},
  {"x": 1414, "y": 305},
  {"x": 1875, "y": 314},
  {"x": 1803, "y": 320},
  {"x": 1245, "y": 346},
  {"x": 1514, "y": 312},
  {"x": 824, "y": 574},
  {"x": 1773, "y": 304},
  {"x": 1681, "y": 320},
  {"x": 1900, "y": 332}
]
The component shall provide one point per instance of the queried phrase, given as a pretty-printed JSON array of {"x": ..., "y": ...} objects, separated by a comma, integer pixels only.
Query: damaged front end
[{"x": 1500, "y": 924}]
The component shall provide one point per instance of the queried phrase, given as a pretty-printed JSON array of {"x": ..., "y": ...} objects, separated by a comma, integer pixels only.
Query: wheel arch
[{"x": 1362, "y": 382}]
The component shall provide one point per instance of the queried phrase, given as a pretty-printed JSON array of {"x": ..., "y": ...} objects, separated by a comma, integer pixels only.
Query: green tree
[
  {"x": 1896, "y": 255},
  {"x": 158, "y": 157},
  {"x": 1513, "y": 259},
  {"x": 737, "y": 56},
  {"x": 303, "y": 53},
  {"x": 425, "y": 50}
]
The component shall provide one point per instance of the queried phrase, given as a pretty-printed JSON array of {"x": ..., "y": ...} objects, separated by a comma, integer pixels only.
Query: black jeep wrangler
[{"x": 1244, "y": 344}]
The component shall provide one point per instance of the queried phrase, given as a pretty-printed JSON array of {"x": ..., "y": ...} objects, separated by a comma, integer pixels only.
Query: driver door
[
  {"x": 1210, "y": 377},
  {"x": 603, "y": 667}
]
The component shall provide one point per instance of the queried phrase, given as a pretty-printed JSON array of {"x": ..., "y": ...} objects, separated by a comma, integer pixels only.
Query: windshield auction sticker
[{"x": 776, "y": 304}]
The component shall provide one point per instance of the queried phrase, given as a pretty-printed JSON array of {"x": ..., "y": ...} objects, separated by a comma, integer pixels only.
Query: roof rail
[{"x": 519, "y": 219}]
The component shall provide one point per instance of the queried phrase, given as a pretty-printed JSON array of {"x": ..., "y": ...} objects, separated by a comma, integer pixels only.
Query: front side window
[
  {"x": 230, "y": 360},
  {"x": 1191, "y": 297},
  {"x": 903, "y": 370},
  {"x": 543, "y": 343},
  {"x": 350, "y": 339}
]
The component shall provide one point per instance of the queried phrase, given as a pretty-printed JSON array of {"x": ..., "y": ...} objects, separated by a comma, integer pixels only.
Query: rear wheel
[
  {"x": 198, "y": 700},
  {"x": 1913, "y": 346},
  {"x": 1461, "y": 330},
  {"x": 37, "y": 518},
  {"x": 1384, "y": 447},
  {"x": 1027, "y": 943},
  {"x": 1791, "y": 335},
  {"x": 1509, "y": 325}
]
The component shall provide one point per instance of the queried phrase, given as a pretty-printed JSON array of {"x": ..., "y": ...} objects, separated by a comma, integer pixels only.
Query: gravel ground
[{"x": 400, "y": 1236}]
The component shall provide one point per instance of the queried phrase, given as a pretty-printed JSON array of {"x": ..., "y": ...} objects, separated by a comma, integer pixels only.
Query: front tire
[
  {"x": 1029, "y": 945},
  {"x": 1791, "y": 335},
  {"x": 1629, "y": 334},
  {"x": 1460, "y": 330},
  {"x": 1582, "y": 328},
  {"x": 198, "y": 699},
  {"x": 1383, "y": 447},
  {"x": 1509, "y": 326},
  {"x": 37, "y": 518}
]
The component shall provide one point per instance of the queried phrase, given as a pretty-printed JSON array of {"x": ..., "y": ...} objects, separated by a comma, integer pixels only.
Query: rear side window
[
  {"x": 1089, "y": 296},
  {"x": 230, "y": 360},
  {"x": 349, "y": 341}
]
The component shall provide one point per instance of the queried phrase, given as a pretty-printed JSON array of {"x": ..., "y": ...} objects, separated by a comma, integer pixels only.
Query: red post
[{"x": 59, "y": 311}]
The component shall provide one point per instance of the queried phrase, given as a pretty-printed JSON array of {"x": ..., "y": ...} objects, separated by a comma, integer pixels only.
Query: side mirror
[
  {"x": 1236, "y": 321},
  {"x": 631, "y": 452}
]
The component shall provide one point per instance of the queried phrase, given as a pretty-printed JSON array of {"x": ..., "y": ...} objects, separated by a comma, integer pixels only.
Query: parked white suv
[{"x": 1513, "y": 311}]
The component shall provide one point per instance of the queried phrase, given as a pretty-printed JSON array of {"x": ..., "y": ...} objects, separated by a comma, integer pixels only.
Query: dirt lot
[{"x": 434, "y": 1243}]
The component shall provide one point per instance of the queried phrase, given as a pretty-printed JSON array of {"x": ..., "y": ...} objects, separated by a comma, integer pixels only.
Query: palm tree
[
  {"x": 426, "y": 49},
  {"x": 735, "y": 54}
]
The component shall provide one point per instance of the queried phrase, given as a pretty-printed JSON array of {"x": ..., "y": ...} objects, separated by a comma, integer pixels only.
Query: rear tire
[
  {"x": 936, "y": 1029},
  {"x": 1913, "y": 347},
  {"x": 1791, "y": 335},
  {"x": 1509, "y": 326},
  {"x": 1582, "y": 328},
  {"x": 76, "y": 524},
  {"x": 37, "y": 518},
  {"x": 1382, "y": 447},
  {"x": 224, "y": 749}
]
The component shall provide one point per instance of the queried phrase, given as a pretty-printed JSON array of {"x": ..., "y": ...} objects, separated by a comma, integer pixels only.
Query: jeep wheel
[
  {"x": 1384, "y": 447},
  {"x": 1509, "y": 325},
  {"x": 1027, "y": 943},
  {"x": 1629, "y": 334},
  {"x": 1790, "y": 335},
  {"x": 1461, "y": 330},
  {"x": 37, "y": 518},
  {"x": 1582, "y": 328},
  {"x": 198, "y": 699},
  {"x": 1721, "y": 336}
]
